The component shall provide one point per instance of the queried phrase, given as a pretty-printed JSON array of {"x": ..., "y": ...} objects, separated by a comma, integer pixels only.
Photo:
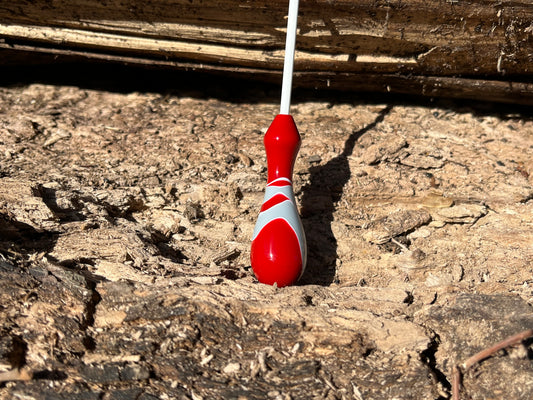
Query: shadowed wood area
[{"x": 478, "y": 49}]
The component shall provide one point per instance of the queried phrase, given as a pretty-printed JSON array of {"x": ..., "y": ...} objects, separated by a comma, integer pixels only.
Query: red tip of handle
[{"x": 275, "y": 254}]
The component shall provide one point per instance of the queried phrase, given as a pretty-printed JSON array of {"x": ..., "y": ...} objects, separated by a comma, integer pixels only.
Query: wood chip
[
  {"x": 226, "y": 255},
  {"x": 396, "y": 224}
]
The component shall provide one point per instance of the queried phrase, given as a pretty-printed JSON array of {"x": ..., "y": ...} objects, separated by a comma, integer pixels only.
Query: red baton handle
[{"x": 279, "y": 251}]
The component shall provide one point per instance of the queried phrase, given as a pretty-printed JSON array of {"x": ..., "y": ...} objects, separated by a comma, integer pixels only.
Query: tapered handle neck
[{"x": 282, "y": 142}]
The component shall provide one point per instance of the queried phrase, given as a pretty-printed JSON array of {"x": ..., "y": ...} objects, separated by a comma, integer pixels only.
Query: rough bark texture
[
  {"x": 125, "y": 226},
  {"x": 477, "y": 49}
]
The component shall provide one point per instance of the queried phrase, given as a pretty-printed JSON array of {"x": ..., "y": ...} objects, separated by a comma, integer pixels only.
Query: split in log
[{"x": 478, "y": 49}]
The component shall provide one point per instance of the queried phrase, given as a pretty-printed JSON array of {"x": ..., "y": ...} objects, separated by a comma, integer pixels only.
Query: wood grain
[{"x": 479, "y": 49}]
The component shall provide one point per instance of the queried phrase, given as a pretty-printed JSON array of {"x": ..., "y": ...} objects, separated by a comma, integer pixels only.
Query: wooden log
[{"x": 478, "y": 49}]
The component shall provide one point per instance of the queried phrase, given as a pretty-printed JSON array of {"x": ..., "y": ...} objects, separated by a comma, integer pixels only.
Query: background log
[{"x": 477, "y": 49}]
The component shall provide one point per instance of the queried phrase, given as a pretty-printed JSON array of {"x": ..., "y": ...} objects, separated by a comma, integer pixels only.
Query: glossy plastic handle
[{"x": 279, "y": 250}]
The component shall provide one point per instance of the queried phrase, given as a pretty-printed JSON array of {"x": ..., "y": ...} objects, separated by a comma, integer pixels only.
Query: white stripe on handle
[
  {"x": 288, "y": 66},
  {"x": 285, "y": 210}
]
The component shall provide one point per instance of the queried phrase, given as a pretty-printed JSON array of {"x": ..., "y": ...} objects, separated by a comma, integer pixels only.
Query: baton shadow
[{"x": 318, "y": 202}]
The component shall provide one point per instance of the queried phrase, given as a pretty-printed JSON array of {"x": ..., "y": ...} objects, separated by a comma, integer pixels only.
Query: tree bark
[{"x": 478, "y": 49}]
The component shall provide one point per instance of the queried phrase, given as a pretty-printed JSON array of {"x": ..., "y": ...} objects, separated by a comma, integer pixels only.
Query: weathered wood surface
[
  {"x": 477, "y": 49},
  {"x": 125, "y": 226}
]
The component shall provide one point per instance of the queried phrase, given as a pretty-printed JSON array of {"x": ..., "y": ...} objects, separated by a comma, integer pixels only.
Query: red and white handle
[{"x": 279, "y": 251}]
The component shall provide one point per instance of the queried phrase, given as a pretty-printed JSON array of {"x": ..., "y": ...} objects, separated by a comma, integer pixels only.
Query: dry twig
[{"x": 458, "y": 371}]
